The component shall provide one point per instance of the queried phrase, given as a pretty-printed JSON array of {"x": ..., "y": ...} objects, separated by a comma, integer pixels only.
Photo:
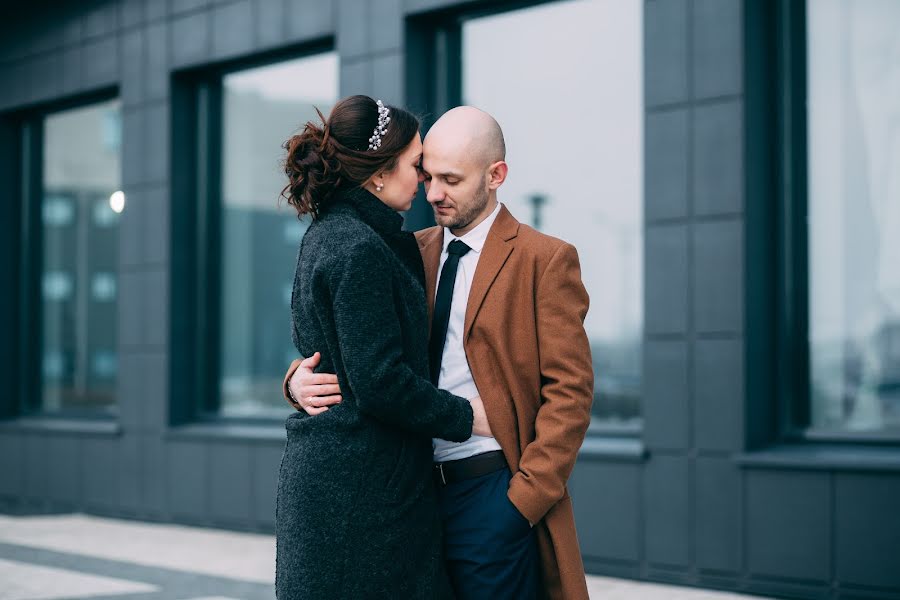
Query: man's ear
[{"x": 497, "y": 174}]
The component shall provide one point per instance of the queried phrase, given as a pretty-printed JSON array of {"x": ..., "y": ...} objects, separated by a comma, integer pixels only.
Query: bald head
[{"x": 469, "y": 132}]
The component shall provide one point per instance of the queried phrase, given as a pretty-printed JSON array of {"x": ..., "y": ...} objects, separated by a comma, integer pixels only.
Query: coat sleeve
[
  {"x": 371, "y": 349},
  {"x": 567, "y": 388}
]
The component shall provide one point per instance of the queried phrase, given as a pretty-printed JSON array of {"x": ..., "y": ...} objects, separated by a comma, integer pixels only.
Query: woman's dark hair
[{"x": 322, "y": 158}]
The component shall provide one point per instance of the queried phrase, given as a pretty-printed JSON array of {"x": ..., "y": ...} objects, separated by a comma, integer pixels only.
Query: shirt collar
[{"x": 476, "y": 238}]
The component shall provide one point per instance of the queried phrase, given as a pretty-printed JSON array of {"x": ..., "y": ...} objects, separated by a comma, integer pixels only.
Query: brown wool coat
[{"x": 531, "y": 361}]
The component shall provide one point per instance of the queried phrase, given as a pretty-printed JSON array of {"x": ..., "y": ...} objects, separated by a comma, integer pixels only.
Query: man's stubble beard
[{"x": 464, "y": 219}]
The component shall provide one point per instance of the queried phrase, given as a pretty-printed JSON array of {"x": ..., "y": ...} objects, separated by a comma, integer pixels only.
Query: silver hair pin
[{"x": 381, "y": 129}]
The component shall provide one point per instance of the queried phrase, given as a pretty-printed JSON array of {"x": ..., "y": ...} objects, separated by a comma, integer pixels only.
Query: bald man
[{"x": 507, "y": 310}]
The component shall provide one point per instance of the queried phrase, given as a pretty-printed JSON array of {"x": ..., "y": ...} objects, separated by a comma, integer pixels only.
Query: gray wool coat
[{"x": 356, "y": 513}]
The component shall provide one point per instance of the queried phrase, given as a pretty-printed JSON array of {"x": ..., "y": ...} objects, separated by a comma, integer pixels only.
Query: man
[{"x": 508, "y": 308}]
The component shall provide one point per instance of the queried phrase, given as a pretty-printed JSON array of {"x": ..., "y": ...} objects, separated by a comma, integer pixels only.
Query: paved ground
[{"x": 68, "y": 557}]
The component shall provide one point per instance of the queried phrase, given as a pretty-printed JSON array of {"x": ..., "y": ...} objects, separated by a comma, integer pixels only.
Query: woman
[{"x": 356, "y": 510}]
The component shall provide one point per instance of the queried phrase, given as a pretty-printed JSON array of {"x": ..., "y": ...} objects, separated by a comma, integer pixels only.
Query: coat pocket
[{"x": 399, "y": 472}]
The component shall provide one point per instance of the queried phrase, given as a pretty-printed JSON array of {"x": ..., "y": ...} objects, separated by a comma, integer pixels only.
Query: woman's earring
[{"x": 379, "y": 187}]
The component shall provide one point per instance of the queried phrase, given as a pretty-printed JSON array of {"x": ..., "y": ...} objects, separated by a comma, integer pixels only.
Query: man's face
[{"x": 456, "y": 186}]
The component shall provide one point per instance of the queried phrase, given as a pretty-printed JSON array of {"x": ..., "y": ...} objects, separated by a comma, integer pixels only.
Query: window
[
  {"x": 569, "y": 98},
  {"x": 76, "y": 253},
  {"x": 236, "y": 340},
  {"x": 262, "y": 107},
  {"x": 853, "y": 204}
]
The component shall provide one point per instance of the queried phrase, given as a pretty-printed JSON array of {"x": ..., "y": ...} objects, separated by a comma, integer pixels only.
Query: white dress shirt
[{"x": 455, "y": 376}]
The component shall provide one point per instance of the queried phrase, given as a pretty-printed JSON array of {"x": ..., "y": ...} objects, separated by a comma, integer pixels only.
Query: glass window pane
[
  {"x": 569, "y": 97},
  {"x": 262, "y": 108},
  {"x": 80, "y": 213},
  {"x": 854, "y": 214}
]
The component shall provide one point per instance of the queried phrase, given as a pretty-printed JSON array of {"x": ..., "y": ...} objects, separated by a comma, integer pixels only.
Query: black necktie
[{"x": 456, "y": 249}]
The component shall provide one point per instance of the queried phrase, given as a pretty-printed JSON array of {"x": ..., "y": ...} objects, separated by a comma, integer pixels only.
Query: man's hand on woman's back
[{"x": 313, "y": 392}]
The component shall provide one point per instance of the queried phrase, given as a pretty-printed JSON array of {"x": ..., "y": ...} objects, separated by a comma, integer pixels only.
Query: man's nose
[{"x": 433, "y": 192}]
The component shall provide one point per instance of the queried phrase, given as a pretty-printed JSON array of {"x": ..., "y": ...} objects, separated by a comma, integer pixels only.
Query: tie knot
[{"x": 457, "y": 248}]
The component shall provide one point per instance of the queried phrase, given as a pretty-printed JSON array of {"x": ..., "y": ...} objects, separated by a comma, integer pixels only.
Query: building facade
[{"x": 726, "y": 169}]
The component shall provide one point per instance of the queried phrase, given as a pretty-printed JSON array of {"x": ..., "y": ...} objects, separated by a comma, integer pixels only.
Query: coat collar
[
  {"x": 375, "y": 213},
  {"x": 497, "y": 248}
]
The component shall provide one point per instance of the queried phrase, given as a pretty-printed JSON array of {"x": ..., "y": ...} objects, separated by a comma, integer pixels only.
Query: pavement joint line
[{"x": 172, "y": 583}]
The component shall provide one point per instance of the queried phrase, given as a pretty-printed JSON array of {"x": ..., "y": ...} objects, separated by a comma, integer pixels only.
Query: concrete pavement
[{"x": 64, "y": 557}]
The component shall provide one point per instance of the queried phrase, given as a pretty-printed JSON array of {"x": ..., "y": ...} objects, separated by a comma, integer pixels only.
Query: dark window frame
[
  {"x": 434, "y": 85},
  {"x": 778, "y": 387},
  {"x": 196, "y": 209},
  {"x": 21, "y": 141}
]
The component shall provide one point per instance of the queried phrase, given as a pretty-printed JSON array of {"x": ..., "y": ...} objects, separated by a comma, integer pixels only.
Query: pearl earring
[{"x": 379, "y": 187}]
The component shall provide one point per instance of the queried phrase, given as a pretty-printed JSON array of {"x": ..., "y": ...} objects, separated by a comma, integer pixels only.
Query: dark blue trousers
[{"x": 490, "y": 549}]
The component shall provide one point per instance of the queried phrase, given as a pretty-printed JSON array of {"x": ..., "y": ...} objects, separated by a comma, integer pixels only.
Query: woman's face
[{"x": 401, "y": 184}]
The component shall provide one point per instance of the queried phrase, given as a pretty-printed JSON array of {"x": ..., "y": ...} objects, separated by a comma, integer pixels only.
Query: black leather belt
[{"x": 452, "y": 471}]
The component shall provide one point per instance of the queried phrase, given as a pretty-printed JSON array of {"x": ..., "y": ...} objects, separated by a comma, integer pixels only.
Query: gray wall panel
[
  {"x": 270, "y": 18},
  {"x": 155, "y": 392},
  {"x": 718, "y": 394},
  {"x": 36, "y": 465},
  {"x": 154, "y": 475},
  {"x": 101, "y": 20},
  {"x": 356, "y": 77},
  {"x": 155, "y": 216},
  {"x": 231, "y": 482},
  {"x": 607, "y": 510},
  {"x": 156, "y": 84},
  {"x": 12, "y": 464},
  {"x": 310, "y": 19},
  {"x": 100, "y": 62},
  {"x": 353, "y": 18},
  {"x": 187, "y": 470},
  {"x": 131, "y": 12},
  {"x": 665, "y": 51},
  {"x": 717, "y": 28},
  {"x": 64, "y": 462},
  {"x": 664, "y": 404},
  {"x": 386, "y": 25},
  {"x": 189, "y": 37},
  {"x": 666, "y": 153},
  {"x": 717, "y": 275},
  {"x": 717, "y": 158},
  {"x": 867, "y": 529},
  {"x": 266, "y": 461},
  {"x": 130, "y": 474},
  {"x": 666, "y": 510},
  {"x": 788, "y": 524},
  {"x": 717, "y": 514},
  {"x": 387, "y": 72},
  {"x": 100, "y": 473},
  {"x": 666, "y": 279},
  {"x": 233, "y": 33}
]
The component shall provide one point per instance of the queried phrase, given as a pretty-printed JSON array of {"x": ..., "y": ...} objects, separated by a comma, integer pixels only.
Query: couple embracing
[{"x": 449, "y": 381}]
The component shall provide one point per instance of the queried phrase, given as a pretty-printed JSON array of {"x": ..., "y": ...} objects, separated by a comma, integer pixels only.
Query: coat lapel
[
  {"x": 431, "y": 243},
  {"x": 497, "y": 248}
]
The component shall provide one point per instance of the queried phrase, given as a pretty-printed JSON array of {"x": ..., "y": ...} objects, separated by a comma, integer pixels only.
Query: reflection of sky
[
  {"x": 304, "y": 80},
  {"x": 565, "y": 82},
  {"x": 263, "y": 107},
  {"x": 853, "y": 91},
  {"x": 82, "y": 148}
]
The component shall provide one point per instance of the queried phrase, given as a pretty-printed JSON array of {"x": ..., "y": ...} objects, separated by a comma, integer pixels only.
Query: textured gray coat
[{"x": 356, "y": 508}]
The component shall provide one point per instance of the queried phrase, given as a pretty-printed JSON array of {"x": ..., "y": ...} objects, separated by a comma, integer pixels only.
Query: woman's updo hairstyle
[{"x": 321, "y": 159}]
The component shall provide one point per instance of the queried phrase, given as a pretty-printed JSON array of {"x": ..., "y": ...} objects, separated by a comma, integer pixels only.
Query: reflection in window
[
  {"x": 854, "y": 214},
  {"x": 81, "y": 174},
  {"x": 569, "y": 100},
  {"x": 262, "y": 108}
]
